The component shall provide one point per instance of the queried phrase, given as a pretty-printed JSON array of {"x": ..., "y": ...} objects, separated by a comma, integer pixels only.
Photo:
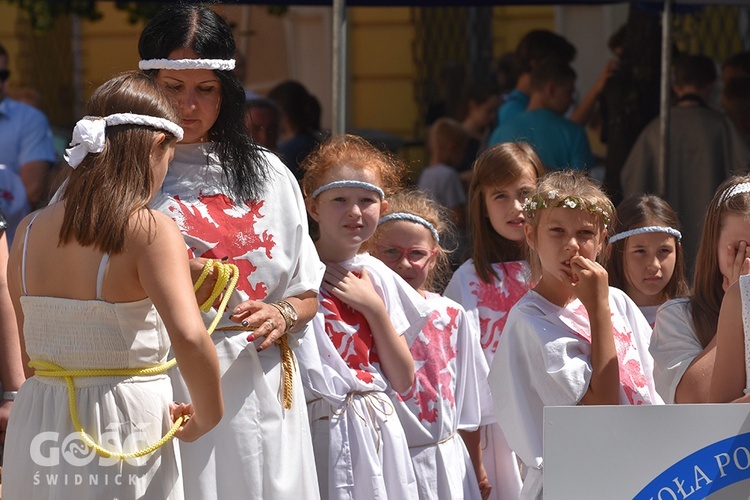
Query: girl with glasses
[{"x": 443, "y": 408}]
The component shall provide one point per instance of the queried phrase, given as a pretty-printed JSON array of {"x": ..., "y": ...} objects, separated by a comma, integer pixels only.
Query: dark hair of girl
[
  {"x": 209, "y": 36},
  {"x": 641, "y": 211}
]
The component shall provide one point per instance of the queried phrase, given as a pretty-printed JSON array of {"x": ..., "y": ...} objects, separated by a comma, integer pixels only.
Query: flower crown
[{"x": 537, "y": 202}]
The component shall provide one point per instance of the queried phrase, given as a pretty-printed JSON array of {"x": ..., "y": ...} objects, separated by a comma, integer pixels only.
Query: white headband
[
  {"x": 341, "y": 184},
  {"x": 648, "y": 229},
  {"x": 219, "y": 64},
  {"x": 743, "y": 187},
  {"x": 411, "y": 218},
  {"x": 88, "y": 134}
]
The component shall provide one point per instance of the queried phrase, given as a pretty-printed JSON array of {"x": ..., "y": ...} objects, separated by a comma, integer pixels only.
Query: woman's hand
[
  {"x": 739, "y": 258},
  {"x": 266, "y": 320},
  {"x": 356, "y": 292}
]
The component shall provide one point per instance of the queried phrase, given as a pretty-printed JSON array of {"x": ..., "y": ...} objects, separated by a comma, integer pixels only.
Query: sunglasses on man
[{"x": 4, "y": 74}]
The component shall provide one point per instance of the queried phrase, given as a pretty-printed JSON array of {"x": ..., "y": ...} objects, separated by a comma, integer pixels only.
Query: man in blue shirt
[
  {"x": 560, "y": 143},
  {"x": 26, "y": 152}
]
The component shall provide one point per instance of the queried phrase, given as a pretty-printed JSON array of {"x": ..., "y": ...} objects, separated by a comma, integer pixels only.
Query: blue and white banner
[{"x": 672, "y": 452}]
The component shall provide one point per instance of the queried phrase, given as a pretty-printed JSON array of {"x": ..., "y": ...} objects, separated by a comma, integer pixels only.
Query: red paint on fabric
[
  {"x": 350, "y": 334},
  {"x": 227, "y": 229},
  {"x": 433, "y": 351}
]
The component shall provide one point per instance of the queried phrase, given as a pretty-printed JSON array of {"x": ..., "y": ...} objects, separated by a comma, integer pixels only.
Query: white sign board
[{"x": 670, "y": 452}]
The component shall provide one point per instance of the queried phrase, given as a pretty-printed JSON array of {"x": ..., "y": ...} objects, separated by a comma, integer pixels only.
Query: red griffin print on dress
[
  {"x": 351, "y": 336},
  {"x": 631, "y": 372},
  {"x": 226, "y": 229},
  {"x": 433, "y": 351},
  {"x": 495, "y": 300}
]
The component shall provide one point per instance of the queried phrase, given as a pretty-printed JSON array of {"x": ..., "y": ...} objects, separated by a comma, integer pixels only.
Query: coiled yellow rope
[{"x": 228, "y": 275}]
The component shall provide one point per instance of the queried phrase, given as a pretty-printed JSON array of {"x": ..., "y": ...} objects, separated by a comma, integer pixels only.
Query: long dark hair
[
  {"x": 122, "y": 171},
  {"x": 641, "y": 211},
  {"x": 209, "y": 36}
]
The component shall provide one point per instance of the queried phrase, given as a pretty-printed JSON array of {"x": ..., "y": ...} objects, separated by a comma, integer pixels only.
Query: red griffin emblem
[
  {"x": 351, "y": 336},
  {"x": 433, "y": 352},
  {"x": 496, "y": 299},
  {"x": 226, "y": 229}
]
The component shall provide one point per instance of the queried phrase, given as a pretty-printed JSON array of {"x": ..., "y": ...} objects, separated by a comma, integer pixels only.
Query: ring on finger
[{"x": 270, "y": 322}]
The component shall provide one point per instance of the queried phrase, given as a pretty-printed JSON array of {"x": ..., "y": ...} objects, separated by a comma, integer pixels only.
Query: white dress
[
  {"x": 360, "y": 446},
  {"x": 258, "y": 449},
  {"x": 674, "y": 346},
  {"x": 544, "y": 360},
  {"x": 447, "y": 394},
  {"x": 45, "y": 457},
  {"x": 745, "y": 292},
  {"x": 487, "y": 306}
]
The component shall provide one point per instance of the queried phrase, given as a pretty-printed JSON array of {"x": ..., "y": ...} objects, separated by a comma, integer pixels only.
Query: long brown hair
[
  {"x": 707, "y": 284},
  {"x": 107, "y": 188},
  {"x": 641, "y": 211},
  {"x": 499, "y": 165}
]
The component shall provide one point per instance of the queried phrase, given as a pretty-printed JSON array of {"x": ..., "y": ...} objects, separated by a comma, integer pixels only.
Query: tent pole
[
  {"x": 664, "y": 111},
  {"x": 339, "y": 66}
]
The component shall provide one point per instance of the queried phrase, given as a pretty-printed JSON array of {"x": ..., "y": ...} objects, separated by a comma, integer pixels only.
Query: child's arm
[
  {"x": 164, "y": 273},
  {"x": 695, "y": 383},
  {"x": 473, "y": 442},
  {"x": 359, "y": 294},
  {"x": 592, "y": 288},
  {"x": 727, "y": 381}
]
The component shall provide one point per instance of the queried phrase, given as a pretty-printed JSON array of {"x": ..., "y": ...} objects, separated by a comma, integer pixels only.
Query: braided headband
[
  {"x": 648, "y": 229},
  {"x": 355, "y": 184},
  {"x": 411, "y": 218},
  {"x": 88, "y": 134},
  {"x": 219, "y": 64},
  {"x": 742, "y": 187}
]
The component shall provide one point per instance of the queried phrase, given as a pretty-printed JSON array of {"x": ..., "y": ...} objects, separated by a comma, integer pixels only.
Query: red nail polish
[{"x": 250, "y": 338}]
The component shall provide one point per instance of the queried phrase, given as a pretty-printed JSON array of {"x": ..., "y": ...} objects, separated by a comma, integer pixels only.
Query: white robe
[
  {"x": 360, "y": 446},
  {"x": 544, "y": 360},
  {"x": 673, "y": 346},
  {"x": 258, "y": 449},
  {"x": 487, "y": 306},
  {"x": 446, "y": 396}
]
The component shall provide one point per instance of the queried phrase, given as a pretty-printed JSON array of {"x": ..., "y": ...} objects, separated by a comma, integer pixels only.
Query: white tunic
[
  {"x": 674, "y": 346},
  {"x": 360, "y": 446},
  {"x": 544, "y": 360},
  {"x": 745, "y": 292},
  {"x": 487, "y": 306},
  {"x": 446, "y": 396},
  {"x": 258, "y": 448}
]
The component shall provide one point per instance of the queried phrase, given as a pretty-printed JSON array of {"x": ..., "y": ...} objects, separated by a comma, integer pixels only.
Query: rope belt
[
  {"x": 369, "y": 398},
  {"x": 436, "y": 443},
  {"x": 288, "y": 364},
  {"x": 228, "y": 275}
]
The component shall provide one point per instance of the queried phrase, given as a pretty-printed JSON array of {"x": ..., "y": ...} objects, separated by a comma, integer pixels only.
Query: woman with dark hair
[{"x": 232, "y": 200}]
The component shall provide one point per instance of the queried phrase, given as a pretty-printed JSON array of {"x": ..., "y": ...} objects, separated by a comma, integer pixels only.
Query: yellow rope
[{"x": 228, "y": 275}]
